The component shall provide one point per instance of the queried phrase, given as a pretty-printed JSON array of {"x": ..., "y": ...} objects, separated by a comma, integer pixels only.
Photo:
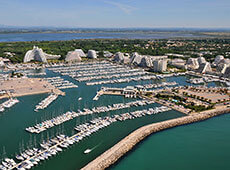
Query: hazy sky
[{"x": 116, "y": 13}]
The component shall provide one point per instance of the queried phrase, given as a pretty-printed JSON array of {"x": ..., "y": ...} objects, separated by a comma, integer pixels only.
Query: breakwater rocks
[{"x": 112, "y": 155}]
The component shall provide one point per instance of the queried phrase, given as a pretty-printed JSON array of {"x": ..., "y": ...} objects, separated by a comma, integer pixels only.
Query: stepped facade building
[{"x": 37, "y": 54}]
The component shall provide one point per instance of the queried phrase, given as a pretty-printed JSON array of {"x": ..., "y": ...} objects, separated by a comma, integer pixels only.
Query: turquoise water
[
  {"x": 201, "y": 146},
  {"x": 13, "y": 122}
]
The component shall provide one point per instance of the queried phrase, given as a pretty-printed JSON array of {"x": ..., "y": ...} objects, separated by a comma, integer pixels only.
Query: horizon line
[{"x": 73, "y": 27}]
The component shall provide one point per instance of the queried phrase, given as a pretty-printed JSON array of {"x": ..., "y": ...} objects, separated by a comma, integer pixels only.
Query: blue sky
[{"x": 116, "y": 13}]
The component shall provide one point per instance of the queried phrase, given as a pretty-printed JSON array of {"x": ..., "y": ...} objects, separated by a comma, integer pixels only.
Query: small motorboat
[{"x": 87, "y": 151}]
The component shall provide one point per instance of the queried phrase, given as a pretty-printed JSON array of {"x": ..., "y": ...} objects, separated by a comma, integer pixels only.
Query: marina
[
  {"x": 60, "y": 83},
  {"x": 32, "y": 157},
  {"x": 9, "y": 103},
  {"x": 129, "y": 79},
  {"x": 40, "y": 127},
  {"x": 99, "y": 71},
  {"x": 75, "y": 109},
  {"x": 117, "y": 85}
]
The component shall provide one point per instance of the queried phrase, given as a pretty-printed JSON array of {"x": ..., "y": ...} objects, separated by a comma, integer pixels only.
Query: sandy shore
[{"x": 117, "y": 151}]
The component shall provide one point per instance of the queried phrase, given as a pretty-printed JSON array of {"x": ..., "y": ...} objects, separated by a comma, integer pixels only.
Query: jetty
[
  {"x": 46, "y": 102},
  {"x": 112, "y": 155}
]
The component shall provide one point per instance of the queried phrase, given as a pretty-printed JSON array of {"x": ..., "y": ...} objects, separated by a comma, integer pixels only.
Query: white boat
[
  {"x": 87, "y": 151},
  {"x": 79, "y": 98},
  {"x": 2, "y": 109}
]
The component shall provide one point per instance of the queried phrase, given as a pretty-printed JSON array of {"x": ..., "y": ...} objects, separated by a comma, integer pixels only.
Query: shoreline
[{"x": 112, "y": 155}]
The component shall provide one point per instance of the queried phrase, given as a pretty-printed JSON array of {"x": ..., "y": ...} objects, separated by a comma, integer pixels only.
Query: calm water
[
  {"x": 14, "y": 121},
  {"x": 200, "y": 146},
  {"x": 11, "y": 37}
]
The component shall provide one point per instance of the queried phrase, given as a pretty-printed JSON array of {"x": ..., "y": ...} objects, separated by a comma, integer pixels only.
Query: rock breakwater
[{"x": 112, "y": 155}]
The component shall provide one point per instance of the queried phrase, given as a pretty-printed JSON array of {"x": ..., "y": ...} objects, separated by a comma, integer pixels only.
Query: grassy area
[{"x": 182, "y": 102}]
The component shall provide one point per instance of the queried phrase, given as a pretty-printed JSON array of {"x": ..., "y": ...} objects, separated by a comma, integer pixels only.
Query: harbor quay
[
  {"x": 137, "y": 92},
  {"x": 132, "y": 91},
  {"x": 112, "y": 155}
]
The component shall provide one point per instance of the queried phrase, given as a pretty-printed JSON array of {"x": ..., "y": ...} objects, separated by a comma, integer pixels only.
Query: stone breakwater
[{"x": 112, "y": 155}]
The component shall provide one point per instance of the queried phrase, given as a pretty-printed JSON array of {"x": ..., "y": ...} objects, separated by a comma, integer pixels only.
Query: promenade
[{"x": 121, "y": 148}]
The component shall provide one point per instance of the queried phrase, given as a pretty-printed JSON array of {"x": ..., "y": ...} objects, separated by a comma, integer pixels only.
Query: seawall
[{"x": 112, "y": 155}]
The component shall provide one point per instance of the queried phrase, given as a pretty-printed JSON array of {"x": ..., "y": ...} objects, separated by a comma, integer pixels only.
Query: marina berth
[
  {"x": 107, "y": 73},
  {"x": 128, "y": 79},
  {"x": 151, "y": 86},
  {"x": 2, "y": 109},
  {"x": 110, "y": 76},
  {"x": 43, "y": 126},
  {"x": 31, "y": 157},
  {"x": 60, "y": 83},
  {"x": 84, "y": 67},
  {"x": 46, "y": 102},
  {"x": 9, "y": 103},
  {"x": 34, "y": 74},
  {"x": 122, "y": 80}
]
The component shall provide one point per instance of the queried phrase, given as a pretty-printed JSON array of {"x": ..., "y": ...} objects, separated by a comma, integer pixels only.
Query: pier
[
  {"x": 42, "y": 126},
  {"x": 129, "y": 92},
  {"x": 7, "y": 104}
]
